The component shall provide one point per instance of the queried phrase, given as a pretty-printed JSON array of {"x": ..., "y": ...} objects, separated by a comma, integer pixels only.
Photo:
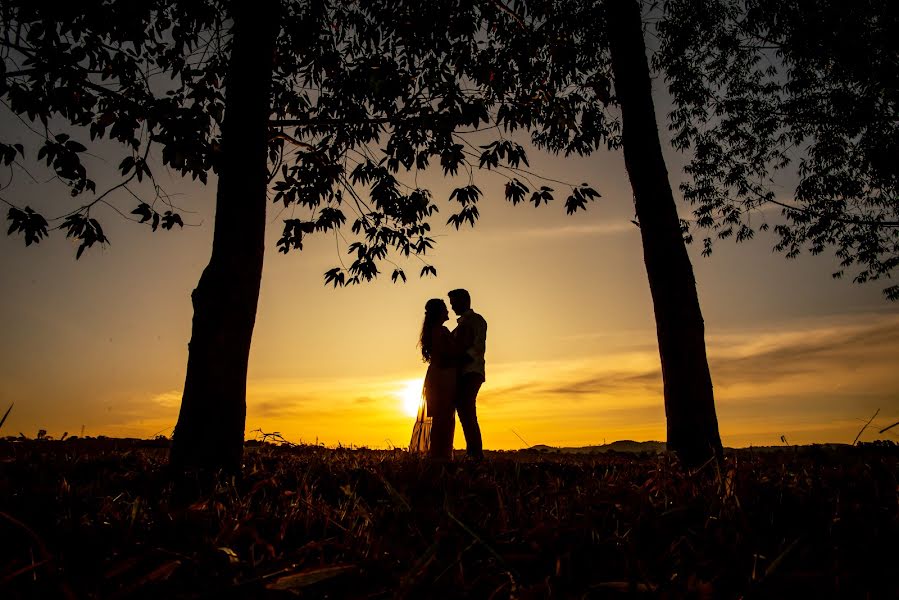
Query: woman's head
[
  {"x": 435, "y": 311},
  {"x": 435, "y": 314}
]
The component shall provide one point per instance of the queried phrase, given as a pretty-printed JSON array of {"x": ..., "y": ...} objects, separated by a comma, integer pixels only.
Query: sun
[{"x": 410, "y": 396}]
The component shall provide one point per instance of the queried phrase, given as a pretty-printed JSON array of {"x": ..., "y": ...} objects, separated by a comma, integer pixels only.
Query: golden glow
[
  {"x": 410, "y": 396},
  {"x": 572, "y": 355},
  {"x": 838, "y": 373}
]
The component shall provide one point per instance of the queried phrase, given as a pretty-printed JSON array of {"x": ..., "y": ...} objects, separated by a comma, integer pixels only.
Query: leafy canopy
[
  {"x": 363, "y": 92},
  {"x": 785, "y": 108},
  {"x": 769, "y": 94}
]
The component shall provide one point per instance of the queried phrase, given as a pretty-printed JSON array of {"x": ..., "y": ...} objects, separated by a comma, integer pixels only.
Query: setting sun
[{"x": 410, "y": 396}]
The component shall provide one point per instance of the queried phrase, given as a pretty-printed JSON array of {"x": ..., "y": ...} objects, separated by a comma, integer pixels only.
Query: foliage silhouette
[{"x": 769, "y": 94}]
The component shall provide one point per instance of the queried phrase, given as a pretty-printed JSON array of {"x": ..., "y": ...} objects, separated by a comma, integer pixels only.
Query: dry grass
[{"x": 99, "y": 519}]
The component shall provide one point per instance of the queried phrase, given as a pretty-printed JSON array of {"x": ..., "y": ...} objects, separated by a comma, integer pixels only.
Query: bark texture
[
  {"x": 210, "y": 430},
  {"x": 689, "y": 401}
]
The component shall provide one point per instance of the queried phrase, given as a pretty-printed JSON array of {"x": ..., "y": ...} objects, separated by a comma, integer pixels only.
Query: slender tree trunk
[
  {"x": 689, "y": 402},
  {"x": 210, "y": 429}
]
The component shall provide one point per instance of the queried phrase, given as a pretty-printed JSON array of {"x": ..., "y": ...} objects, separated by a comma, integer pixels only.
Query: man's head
[{"x": 460, "y": 300}]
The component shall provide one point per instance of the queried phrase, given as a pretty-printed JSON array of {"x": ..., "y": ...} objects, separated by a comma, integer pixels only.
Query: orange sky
[{"x": 572, "y": 356}]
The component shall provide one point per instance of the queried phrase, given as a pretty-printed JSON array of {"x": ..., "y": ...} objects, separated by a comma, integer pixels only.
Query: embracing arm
[
  {"x": 448, "y": 346},
  {"x": 464, "y": 335}
]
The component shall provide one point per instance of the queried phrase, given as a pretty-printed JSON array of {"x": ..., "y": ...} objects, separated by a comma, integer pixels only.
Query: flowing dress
[
  {"x": 421, "y": 430},
  {"x": 436, "y": 423}
]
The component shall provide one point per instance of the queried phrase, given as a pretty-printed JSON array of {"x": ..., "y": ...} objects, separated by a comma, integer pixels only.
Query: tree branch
[
  {"x": 503, "y": 8},
  {"x": 835, "y": 219},
  {"x": 283, "y": 136},
  {"x": 19, "y": 73}
]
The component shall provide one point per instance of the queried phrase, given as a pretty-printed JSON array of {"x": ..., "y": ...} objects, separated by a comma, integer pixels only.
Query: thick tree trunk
[
  {"x": 689, "y": 403},
  {"x": 210, "y": 429}
]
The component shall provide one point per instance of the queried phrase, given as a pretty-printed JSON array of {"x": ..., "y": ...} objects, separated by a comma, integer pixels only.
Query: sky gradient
[{"x": 572, "y": 358}]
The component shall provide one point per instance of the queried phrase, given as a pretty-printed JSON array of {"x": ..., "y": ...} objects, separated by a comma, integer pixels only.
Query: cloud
[
  {"x": 569, "y": 231},
  {"x": 751, "y": 357},
  {"x": 611, "y": 382},
  {"x": 822, "y": 353},
  {"x": 167, "y": 400},
  {"x": 289, "y": 406}
]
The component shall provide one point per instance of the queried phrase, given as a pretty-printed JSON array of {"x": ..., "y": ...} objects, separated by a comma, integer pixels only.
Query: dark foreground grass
[{"x": 89, "y": 518}]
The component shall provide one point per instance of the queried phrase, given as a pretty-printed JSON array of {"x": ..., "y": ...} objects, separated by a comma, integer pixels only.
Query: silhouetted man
[{"x": 471, "y": 333}]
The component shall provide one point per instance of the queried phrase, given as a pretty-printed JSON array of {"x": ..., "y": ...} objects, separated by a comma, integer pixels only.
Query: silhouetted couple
[{"x": 455, "y": 374}]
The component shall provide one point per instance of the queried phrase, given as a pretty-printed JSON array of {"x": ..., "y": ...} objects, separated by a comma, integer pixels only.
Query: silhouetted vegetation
[{"x": 89, "y": 517}]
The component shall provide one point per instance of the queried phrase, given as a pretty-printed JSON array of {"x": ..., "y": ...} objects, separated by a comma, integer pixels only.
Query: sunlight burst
[{"x": 410, "y": 396}]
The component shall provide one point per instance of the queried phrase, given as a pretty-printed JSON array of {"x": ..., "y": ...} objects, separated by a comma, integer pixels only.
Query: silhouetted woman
[{"x": 440, "y": 351}]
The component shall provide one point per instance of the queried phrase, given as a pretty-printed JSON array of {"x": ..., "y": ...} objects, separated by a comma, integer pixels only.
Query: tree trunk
[
  {"x": 210, "y": 430},
  {"x": 689, "y": 403}
]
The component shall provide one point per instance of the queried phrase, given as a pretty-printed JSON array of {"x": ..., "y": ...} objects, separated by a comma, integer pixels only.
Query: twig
[
  {"x": 6, "y": 414},
  {"x": 885, "y": 429},
  {"x": 477, "y": 538},
  {"x": 806, "y": 211},
  {"x": 515, "y": 17},
  {"x": 26, "y": 569},
  {"x": 275, "y": 436},
  {"x": 777, "y": 562},
  {"x": 45, "y": 555},
  {"x": 279, "y": 135},
  {"x": 865, "y": 427},
  {"x": 519, "y": 437},
  {"x": 455, "y": 562}
]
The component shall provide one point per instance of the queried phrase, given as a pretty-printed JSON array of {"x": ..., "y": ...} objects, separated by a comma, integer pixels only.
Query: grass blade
[
  {"x": 6, "y": 414},
  {"x": 866, "y": 426}
]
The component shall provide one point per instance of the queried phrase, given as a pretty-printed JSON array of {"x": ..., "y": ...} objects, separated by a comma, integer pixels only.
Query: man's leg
[{"x": 469, "y": 385}]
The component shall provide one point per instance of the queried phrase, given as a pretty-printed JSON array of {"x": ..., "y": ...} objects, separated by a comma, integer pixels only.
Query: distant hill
[
  {"x": 619, "y": 446},
  {"x": 656, "y": 447}
]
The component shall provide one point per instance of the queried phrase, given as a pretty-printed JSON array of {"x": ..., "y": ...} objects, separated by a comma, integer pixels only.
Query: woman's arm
[{"x": 448, "y": 346}]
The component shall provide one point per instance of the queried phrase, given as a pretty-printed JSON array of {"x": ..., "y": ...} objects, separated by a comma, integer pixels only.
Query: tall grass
[{"x": 363, "y": 523}]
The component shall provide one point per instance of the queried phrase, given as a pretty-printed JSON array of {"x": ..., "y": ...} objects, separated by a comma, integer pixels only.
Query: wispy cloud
[
  {"x": 569, "y": 231},
  {"x": 844, "y": 349},
  {"x": 755, "y": 357}
]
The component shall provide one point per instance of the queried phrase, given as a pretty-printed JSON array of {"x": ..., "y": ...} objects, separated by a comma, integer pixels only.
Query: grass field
[{"x": 100, "y": 518}]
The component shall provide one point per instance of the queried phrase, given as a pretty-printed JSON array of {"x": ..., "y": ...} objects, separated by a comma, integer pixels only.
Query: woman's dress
[
  {"x": 421, "y": 430},
  {"x": 436, "y": 423}
]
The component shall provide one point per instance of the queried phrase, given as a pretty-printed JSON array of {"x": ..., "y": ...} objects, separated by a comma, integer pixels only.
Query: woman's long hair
[{"x": 434, "y": 310}]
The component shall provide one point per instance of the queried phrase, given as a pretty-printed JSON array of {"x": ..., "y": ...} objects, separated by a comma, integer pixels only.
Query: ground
[{"x": 101, "y": 518}]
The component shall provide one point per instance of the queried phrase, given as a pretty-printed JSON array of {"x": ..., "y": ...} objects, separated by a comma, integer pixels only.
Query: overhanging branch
[{"x": 865, "y": 222}]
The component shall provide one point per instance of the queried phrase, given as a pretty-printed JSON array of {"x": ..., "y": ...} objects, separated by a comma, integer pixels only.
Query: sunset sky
[{"x": 572, "y": 359}]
